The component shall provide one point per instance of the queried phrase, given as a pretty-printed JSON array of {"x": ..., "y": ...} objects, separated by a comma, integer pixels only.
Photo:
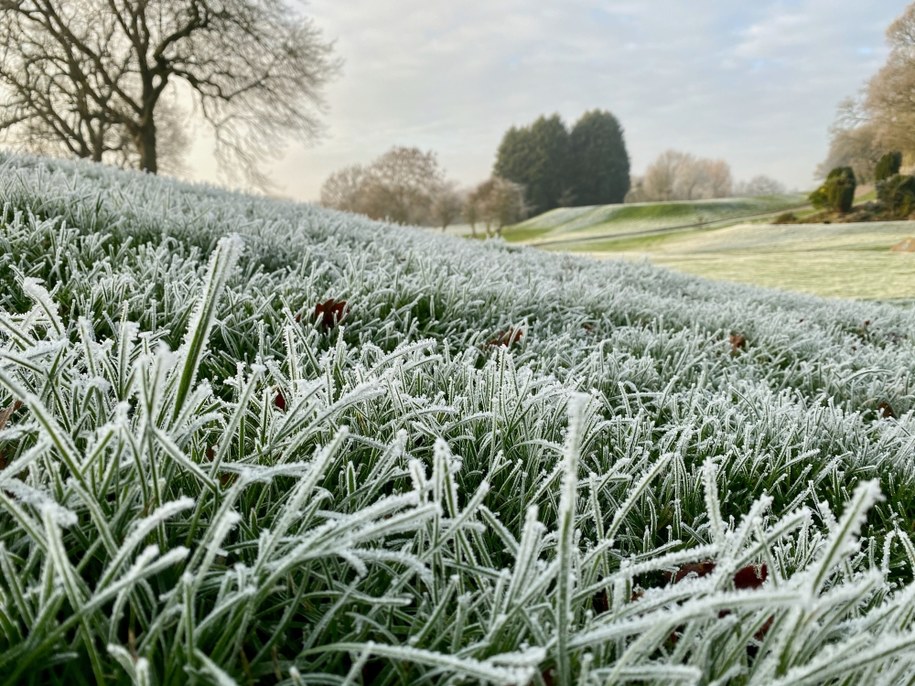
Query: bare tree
[
  {"x": 447, "y": 204},
  {"x": 345, "y": 189},
  {"x": 497, "y": 202},
  {"x": 717, "y": 180},
  {"x": 759, "y": 185},
  {"x": 857, "y": 148},
  {"x": 402, "y": 186},
  {"x": 471, "y": 212},
  {"x": 636, "y": 191},
  {"x": 661, "y": 177},
  {"x": 890, "y": 98},
  {"x": 676, "y": 175},
  {"x": 854, "y": 141},
  {"x": 95, "y": 78}
]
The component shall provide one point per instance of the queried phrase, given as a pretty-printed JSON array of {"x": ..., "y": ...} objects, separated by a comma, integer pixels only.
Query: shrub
[
  {"x": 837, "y": 193},
  {"x": 897, "y": 193},
  {"x": 888, "y": 166},
  {"x": 786, "y": 218}
]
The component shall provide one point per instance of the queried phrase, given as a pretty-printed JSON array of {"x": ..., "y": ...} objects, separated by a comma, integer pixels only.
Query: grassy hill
[
  {"x": 827, "y": 259},
  {"x": 571, "y": 227},
  {"x": 735, "y": 243},
  {"x": 246, "y": 441}
]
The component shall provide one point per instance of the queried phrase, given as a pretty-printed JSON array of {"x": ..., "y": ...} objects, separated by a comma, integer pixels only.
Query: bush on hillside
[
  {"x": 888, "y": 166},
  {"x": 837, "y": 194},
  {"x": 897, "y": 193}
]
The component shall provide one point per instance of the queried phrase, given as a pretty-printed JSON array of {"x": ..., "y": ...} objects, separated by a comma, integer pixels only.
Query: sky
[{"x": 755, "y": 83}]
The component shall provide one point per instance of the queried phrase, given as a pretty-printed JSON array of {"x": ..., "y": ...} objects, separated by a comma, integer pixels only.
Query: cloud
[{"x": 756, "y": 84}]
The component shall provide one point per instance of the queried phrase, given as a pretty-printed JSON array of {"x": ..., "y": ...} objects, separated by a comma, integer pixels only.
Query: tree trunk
[
  {"x": 98, "y": 147},
  {"x": 146, "y": 142}
]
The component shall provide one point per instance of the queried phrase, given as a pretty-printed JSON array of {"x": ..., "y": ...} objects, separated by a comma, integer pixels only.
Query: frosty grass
[{"x": 495, "y": 469}]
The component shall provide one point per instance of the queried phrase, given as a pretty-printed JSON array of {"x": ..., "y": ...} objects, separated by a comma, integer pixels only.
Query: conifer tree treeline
[{"x": 588, "y": 165}]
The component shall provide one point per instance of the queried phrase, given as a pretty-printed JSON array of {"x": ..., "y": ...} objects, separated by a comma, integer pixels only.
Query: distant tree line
[
  {"x": 588, "y": 165},
  {"x": 406, "y": 185},
  {"x": 676, "y": 175},
  {"x": 538, "y": 168}
]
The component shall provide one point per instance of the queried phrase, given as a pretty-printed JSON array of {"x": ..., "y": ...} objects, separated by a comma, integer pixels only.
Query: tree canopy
[
  {"x": 537, "y": 158},
  {"x": 881, "y": 119},
  {"x": 103, "y": 79},
  {"x": 586, "y": 166},
  {"x": 599, "y": 161},
  {"x": 889, "y": 98},
  {"x": 496, "y": 202},
  {"x": 677, "y": 175},
  {"x": 404, "y": 185}
]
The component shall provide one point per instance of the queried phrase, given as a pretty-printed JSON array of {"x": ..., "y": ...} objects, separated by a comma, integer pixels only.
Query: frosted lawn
[{"x": 425, "y": 505}]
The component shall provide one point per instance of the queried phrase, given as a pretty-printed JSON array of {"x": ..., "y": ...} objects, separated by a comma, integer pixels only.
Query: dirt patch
[{"x": 905, "y": 245}]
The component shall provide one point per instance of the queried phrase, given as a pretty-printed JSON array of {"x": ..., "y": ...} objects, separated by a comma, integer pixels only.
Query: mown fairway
[
  {"x": 839, "y": 260},
  {"x": 473, "y": 463},
  {"x": 571, "y": 228}
]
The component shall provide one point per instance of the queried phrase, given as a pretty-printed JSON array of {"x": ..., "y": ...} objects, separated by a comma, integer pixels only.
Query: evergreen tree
[
  {"x": 837, "y": 194},
  {"x": 888, "y": 165},
  {"x": 600, "y": 163},
  {"x": 537, "y": 157}
]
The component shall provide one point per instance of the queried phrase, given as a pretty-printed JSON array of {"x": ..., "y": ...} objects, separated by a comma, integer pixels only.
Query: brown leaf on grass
[
  {"x": 225, "y": 478},
  {"x": 506, "y": 338},
  {"x": 280, "y": 400},
  {"x": 885, "y": 411},
  {"x": 600, "y": 602},
  {"x": 764, "y": 629},
  {"x": 751, "y": 576},
  {"x": 738, "y": 342},
  {"x": 330, "y": 313},
  {"x": 703, "y": 568},
  {"x": 8, "y": 411}
]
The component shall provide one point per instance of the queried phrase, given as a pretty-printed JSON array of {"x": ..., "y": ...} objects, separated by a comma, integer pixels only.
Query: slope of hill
[
  {"x": 570, "y": 226},
  {"x": 247, "y": 441}
]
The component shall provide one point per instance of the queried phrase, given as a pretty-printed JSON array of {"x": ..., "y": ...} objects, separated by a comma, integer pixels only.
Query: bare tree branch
[{"x": 92, "y": 77}]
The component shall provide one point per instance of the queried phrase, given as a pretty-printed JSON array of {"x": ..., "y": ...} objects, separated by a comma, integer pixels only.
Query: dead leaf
[
  {"x": 330, "y": 313},
  {"x": 738, "y": 342},
  {"x": 885, "y": 411},
  {"x": 507, "y": 338}
]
